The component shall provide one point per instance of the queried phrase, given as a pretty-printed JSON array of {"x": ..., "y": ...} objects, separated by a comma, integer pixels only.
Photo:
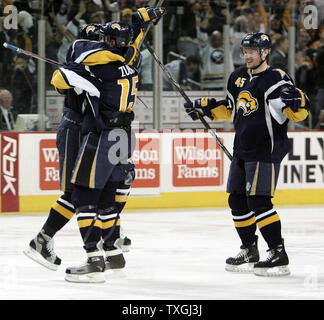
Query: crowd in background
[{"x": 193, "y": 48}]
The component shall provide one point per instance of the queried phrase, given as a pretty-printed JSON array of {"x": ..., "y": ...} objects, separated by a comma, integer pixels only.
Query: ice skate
[
  {"x": 276, "y": 265},
  {"x": 41, "y": 251},
  {"x": 92, "y": 271},
  {"x": 244, "y": 260},
  {"x": 123, "y": 244},
  {"x": 114, "y": 260}
]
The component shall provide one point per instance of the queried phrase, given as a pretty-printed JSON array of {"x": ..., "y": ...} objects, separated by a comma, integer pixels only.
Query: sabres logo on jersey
[{"x": 247, "y": 103}]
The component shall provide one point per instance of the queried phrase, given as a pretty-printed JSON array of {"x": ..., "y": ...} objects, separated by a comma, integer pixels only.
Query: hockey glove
[
  {"x": 294, "y": 98},
  {"x": 201, "y": 107},
  {"x": 146, "y": 15}
]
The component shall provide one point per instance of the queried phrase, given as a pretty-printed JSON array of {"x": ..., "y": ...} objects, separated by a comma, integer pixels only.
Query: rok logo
[
  {"x": 49, "y": 165},
  {"x": 9, "y": 172}
]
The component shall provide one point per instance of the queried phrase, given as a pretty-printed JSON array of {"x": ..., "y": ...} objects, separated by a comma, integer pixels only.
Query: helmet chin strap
[{"x": 262, "y": 61}]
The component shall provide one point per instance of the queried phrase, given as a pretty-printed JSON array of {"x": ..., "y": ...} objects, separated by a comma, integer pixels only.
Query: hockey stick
[
  {"x": 159, "y": 4},
  {"x": 31, "y": 54},
  {"x": 36, "y": 56},
  {"x": 180, "y": 89}
]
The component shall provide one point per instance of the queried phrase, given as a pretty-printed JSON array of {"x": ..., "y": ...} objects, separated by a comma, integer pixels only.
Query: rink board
[{"x": 174, "y": 169}]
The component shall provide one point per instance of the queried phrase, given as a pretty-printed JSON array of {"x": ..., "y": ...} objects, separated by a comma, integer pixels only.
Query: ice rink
[{"x": 175, "y": 255}]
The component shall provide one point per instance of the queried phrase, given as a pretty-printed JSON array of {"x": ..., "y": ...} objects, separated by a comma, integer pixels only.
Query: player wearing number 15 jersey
[{"x": 108, "y": 72}]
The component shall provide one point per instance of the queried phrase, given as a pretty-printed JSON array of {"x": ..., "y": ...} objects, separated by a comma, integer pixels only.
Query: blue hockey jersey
[
  {"x": 259, "y": 116},
  {"x": 100, "y": 70}
]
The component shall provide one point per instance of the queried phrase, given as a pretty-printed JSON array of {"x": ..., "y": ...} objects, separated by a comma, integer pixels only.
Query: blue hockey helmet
[
  {"x": 257, "y": 40},
  {"x": 90, "y": 32},
  {"x": 121, "y": 32}
]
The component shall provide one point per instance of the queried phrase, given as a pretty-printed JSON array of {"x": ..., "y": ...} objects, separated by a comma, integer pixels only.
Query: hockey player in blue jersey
[
  {"x": 260, "y": 101},
  {"x": 68, "y": 142},
  {"x": 107, "y": 72}
]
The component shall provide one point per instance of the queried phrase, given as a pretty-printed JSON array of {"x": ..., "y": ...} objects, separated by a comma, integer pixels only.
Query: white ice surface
[{"x": 175, "y": 254}]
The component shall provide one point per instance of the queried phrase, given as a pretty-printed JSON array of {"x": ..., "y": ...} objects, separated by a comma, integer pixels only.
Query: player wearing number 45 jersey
[{"x": 260, "y": 101}]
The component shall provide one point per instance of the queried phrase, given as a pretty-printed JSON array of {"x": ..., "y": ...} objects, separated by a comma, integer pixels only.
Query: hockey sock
[
  {"x": 244, "y": 222},
  {"x": 60, "y": 214},
  {"x": 243, "y": 217},
  {"x": 110, "y": 226},
  {"x": 89, "y": 226},
  {"x": 122, "y": 194},
  {"x": 270, "y": 227}
]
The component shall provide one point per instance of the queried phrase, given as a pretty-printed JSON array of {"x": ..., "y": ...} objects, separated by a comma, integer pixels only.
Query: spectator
[
  {"x": 23, "y": 82},
  {"x": 62, "y": 15},
  {"x": 181, "y": 71},
  {"x": 212, "y": 56},
  {"x": 279, "y": 56},
  {"x": 126, "y": 15},
  {"x": 277, "y": 25},
  {"x": 71, "y": 31},
  {"x": 217, "y": 16},
  {"x": 146, "y": 77},
  {"x": 6, "y": 56},
  {"x": 320, "y": 123},
  {"x": 179, "y": 22},
  {"x": 320, "y": 82},
  {"x": 8, "y": 118},
  {"x": 240, "y": 30}
]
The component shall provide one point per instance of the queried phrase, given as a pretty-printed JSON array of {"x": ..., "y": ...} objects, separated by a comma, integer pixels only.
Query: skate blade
[
  {"x": 37, "y": 257},
  {"x": 243, "y": 268},
  {"x": 272, "y": 272},
  {"x": 119, "y": 244},
  {"x": 95, "y": 277},
  {"x": 125, "y": 248}
]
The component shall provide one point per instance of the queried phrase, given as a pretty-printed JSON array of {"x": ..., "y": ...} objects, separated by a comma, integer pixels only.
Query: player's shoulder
[
  {"x": 277, "y": 74},
  {"x": 240, "y": 71}
]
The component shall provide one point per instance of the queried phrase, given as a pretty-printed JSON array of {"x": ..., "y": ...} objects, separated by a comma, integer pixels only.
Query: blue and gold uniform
[
  {"x": 109, "y": 77},
  {"x": 260, "y": 106},
  {"x": 259, "y": 116}
]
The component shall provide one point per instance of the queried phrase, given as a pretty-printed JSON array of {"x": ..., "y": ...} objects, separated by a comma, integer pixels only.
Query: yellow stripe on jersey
[
  {"x": 138, "y": 39},
  {"x": 268, "y": 221},
  {"x": 303, "y": 102},
  {"x": 83, "y": 223},
  {"x": 63, "y": 183},
  {"x": 58, "y": 81},
  {"x": 272, "y": 180},
  {"x": 300, "y": 115},
  {"x": 93, "y": 167},
  {"x": 144, "y": 14},
  {"x": 255, "y": 180},
  {"x": 68, "y": 214},
  {"x": 102, "y": 57},
  {"x": 221, "y": 113},
  {"x": 244, "y": 223},
  {"x": 73, "y": 179},
  {"x": 110, "y": 223}
]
